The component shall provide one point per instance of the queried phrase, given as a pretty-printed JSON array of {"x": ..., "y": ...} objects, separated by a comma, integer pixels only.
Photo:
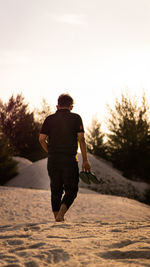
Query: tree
[
  {"x": 129, "y": 138},
  {"x": 41, "y": 114},
  {"x": 8, "y": 167},
  {"x": 18, "y": 124},
  {"x": 95, "y": 139}
]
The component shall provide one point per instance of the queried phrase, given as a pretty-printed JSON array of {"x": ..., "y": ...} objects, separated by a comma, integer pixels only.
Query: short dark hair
[{"x": 65, "y": 100}]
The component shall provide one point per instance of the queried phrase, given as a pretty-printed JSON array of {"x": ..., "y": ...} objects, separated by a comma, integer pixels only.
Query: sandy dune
[
  {"x": 34, "y": 175},
  {"x": 99, "y": 230}
]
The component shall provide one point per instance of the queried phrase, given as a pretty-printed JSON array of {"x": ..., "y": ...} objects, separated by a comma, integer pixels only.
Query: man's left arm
[
  {"x": 43, "y": 141},
  {"x": 85, "y": 163}
]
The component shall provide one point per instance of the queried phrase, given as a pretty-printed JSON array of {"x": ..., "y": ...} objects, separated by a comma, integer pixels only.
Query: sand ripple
[
  {"x": 99, "y": 231},
  {"x": 75, "y": 244}
]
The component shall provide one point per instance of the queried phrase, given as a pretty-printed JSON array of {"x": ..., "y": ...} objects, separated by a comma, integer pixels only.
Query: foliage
[
  {"x": 129, "y": 138},
  {"x": 147, "y": 197},
  {"x": 41, "y": 114},
  {"x": 95, "y": 139},
  {"x": 8, "y": 167},
  {"x": 19, "y": 125}
]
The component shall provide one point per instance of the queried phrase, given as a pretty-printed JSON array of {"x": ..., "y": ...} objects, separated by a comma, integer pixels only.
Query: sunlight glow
[{"x": 92, "y": 50}]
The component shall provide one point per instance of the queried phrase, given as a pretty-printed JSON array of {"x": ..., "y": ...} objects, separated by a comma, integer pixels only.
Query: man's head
[{"x": 65, "y": 101}]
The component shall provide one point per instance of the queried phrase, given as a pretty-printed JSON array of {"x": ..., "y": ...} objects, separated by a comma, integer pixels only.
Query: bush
[
  {"x": 8, "y": 167},
  {"x": 147, "y": 197}
]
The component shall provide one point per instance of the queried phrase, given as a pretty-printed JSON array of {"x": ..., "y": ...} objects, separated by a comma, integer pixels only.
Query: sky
[{"x": 92, "y": 49}]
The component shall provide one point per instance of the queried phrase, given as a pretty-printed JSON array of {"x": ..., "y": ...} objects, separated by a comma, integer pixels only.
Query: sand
[{"x": 99, "y": 230}]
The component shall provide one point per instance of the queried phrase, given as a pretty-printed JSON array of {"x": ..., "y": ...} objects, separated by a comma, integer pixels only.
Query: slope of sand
[
  {"x": 112, "y": 182},
  {"x": 99, "y": 230}
]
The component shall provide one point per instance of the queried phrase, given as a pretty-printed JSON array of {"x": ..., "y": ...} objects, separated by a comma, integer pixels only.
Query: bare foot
[
  {"x": 61, "y": 213},
  {"x": 55, "y": 214},
  {"x": 59, "y": 219}
]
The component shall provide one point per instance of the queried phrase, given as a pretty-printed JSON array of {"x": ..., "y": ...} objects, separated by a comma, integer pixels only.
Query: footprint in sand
[
  {"x": 15, "y": 242},
  {"x": 131, "y": 254},
  {"x": 123, "y": 244}
]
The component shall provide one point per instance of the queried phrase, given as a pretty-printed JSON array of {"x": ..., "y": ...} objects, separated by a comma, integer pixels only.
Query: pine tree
[
  {"x": 41, "y": 114},
  {"x": 129, "y": 138},
  {"x": 19, "y": 125},
  {"x": 95, "y": 139}
]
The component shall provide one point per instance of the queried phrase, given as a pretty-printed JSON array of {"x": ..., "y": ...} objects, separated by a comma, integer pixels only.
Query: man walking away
[{"x": 59, "y": 137}]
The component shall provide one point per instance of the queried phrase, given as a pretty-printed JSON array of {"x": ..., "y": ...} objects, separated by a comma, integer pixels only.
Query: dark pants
[{"x": 64, "y": 178}]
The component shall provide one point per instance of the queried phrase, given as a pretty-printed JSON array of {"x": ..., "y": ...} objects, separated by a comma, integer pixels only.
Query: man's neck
[{"x": 61, "y": 108}]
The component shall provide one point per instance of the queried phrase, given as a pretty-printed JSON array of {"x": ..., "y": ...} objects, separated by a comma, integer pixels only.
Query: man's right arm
[
  {"x": 43, "y": 141},
  {"x": 85, "y": 164}
]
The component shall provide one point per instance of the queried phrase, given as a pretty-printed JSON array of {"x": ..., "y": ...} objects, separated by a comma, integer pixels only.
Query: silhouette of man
[{"x": 59, "y": 137}]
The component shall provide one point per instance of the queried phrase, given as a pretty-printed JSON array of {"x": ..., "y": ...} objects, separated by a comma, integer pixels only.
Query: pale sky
[{"x": 92, "y": 49}]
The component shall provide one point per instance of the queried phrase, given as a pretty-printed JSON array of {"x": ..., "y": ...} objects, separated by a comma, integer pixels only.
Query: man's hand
[{"x": 86, "y": 166}]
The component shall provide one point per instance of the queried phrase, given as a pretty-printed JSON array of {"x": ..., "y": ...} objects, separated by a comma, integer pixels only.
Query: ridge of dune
[
  {"x": 112, "y": 182},
  {"x": 32, "y": 176},
  {"x": 22, "y": 163}
]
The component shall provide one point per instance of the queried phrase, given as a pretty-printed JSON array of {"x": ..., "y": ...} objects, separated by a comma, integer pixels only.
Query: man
[{"x": 59, "y": 136}]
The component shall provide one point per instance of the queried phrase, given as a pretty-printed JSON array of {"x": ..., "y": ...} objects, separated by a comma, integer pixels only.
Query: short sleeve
[
  {"x": 79, "y": 125},
  {"x": 45, "y": 127}
]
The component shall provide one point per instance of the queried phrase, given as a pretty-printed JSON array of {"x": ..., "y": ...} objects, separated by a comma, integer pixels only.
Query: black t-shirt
[{"x": 62, "y": 128}]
